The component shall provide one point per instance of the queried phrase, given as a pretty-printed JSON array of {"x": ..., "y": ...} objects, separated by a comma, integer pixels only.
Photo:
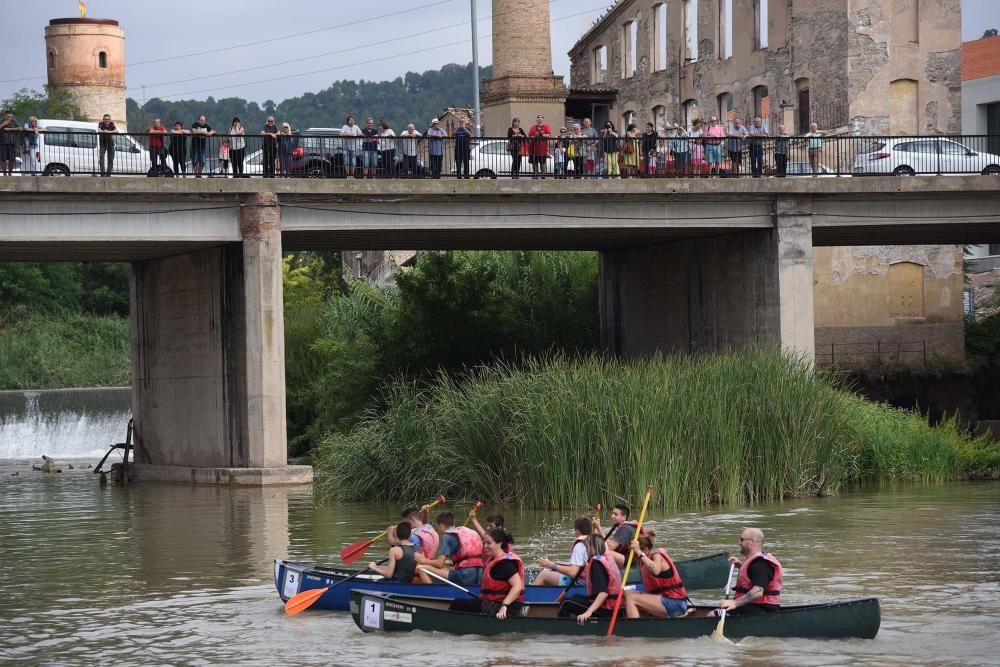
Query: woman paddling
[
  {"x": 665, "y": 596},
  {"x": 401, "y": 565},
  {"x": 502, "y": 591},
  {"x": 604, "y": 584}
]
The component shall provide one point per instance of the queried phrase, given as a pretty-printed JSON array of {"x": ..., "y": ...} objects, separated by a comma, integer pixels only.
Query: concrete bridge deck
[{"x": 128, "y": 219}]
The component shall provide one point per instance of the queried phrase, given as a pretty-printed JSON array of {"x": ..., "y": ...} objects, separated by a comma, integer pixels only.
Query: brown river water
[{"x": 169, "y": 575}]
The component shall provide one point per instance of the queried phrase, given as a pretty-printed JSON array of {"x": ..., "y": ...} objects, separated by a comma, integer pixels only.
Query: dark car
[{"x": 319, "y": 153}]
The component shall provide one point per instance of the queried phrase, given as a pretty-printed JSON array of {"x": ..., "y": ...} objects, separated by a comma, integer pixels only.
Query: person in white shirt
[
  {"x": 387, "y": 146},
  {"x": 410, "y": 139},
  {"x": 351, "y": 147}
]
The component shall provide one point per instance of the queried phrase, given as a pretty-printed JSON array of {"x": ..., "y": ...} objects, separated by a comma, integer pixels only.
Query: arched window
[
  {"x": 660, "y": 119},
  {"x": 627, "y": 119},
  {"x": 726, "y": 108},
  {"x": 600, "y": 73},
  {"x": 802, "y": 86},
  {"x": 630, "y": 35},
  {"x": 690, "y": 113},
  {"x": 102, "y": 60},
  {"x": 52, "y": 59},
  {"x": 761, "y": 103}
]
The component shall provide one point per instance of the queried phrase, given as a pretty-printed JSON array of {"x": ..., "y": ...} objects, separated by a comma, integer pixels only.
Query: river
[{"x": 161, "y": 574}]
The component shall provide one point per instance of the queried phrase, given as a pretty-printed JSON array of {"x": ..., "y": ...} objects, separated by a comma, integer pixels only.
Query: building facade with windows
[
  {"x": 852, "y": 66},
  {"x": 875, "y": 66}
]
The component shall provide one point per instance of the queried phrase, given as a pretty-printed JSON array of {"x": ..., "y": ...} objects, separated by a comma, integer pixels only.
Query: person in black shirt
[
  {"x": 758, "y": 584},
  {"x": 200, "y": 132},
  {"x": 463, "y": 148},
  {"x": 401, "y": 565},
  {"x": 9, "y": 139},
  {"x": 516, "y": 139},
  {"x": 106, "y": 132},
  {"x": 270, "y": 133},
  {"x": 502, "y": 592}
]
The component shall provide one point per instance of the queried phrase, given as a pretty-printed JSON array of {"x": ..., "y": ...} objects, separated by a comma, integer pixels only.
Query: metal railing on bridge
[{"x": 313, "y": 154}]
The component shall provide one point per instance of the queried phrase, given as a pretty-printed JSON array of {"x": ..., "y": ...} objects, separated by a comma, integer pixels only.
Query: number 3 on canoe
[{"x": 352, "y": 552}]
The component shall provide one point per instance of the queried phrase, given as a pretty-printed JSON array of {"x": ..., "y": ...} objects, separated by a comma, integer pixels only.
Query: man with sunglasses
[{"x": 758, "y": 583}]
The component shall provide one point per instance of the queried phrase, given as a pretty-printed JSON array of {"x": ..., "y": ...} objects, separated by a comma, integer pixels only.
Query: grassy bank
[
  {"x": 725, "y": 428},
  {"x": 56, "y": 350}
]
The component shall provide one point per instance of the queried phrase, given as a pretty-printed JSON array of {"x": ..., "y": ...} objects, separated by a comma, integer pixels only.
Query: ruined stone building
[{"x": 876, "y": 66}]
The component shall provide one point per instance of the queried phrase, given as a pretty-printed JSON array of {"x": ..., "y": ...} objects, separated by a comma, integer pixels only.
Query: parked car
[
  {"x": 904, "y": 156},
  {"x": 72, "y": 147},
  {"x": 489, "y": 159},
  {"x": 319, "y": 153}
]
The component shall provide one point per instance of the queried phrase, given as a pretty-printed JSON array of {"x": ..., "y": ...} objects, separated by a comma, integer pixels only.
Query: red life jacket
[
  {"x": 668, "y": 587},
  {"x": 497, "y": 589},
  {"x": 772, "y": 594},
  {"x": 470, "y": 548},
  {"x": 624, "y": 548},
  {"x": 429, "y": 540},
  {"x": 614, "y": 580}
]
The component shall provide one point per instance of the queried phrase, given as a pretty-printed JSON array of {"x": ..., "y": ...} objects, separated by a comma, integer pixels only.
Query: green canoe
[{"x": 381, "y": 612}]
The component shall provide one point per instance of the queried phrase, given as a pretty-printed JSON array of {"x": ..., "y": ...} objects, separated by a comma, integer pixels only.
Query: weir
[{"x": 685, "y": 265}]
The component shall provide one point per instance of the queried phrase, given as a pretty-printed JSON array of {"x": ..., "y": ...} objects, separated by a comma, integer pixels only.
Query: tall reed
[{"x": 726, "y": 428}]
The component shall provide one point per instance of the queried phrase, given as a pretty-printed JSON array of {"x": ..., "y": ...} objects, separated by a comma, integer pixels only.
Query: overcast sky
[{"x": 415, "y": 35}]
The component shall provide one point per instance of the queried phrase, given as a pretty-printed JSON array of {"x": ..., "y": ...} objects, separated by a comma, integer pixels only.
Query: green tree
[{"x": 54, "y": 102}]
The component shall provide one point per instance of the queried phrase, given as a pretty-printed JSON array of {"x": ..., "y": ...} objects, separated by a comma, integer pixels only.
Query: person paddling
[
  {"x": 557, "y": 574},
  {"x": 422, "y": 535},
  {"x": 401, "y": 565},
  {"x": 502, "y": 592},
  {"x": 604, "y": 584},
  {"x": 665, "y": 596},
  {"x": 758, "y": 583},
  {"x": 623, "y": 534},
  {"x": 461, "y": 554},
  {"x": 492, "y": 521}
]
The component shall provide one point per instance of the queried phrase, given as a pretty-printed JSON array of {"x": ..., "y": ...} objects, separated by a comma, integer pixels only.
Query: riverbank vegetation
[{"x": 726, "y": 428}]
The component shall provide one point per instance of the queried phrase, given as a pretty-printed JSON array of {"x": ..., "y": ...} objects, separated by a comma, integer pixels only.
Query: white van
[{"x": 72, "y": 147}]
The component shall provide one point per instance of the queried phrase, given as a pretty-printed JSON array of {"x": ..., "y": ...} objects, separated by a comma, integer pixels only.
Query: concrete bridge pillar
[
  {"x": 713, "y": 292},
  {"x": 208, "y": 360}
]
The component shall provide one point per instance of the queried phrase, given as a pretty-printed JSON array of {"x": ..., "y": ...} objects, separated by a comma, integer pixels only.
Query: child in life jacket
[
  {"x": 461, "y": 555},
  {"x": 604, "y": 584},
  {"x": 401, "y": 565}
]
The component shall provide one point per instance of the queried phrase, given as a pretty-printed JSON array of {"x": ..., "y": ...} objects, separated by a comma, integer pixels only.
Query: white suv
[{"x": 904, "y": 156}]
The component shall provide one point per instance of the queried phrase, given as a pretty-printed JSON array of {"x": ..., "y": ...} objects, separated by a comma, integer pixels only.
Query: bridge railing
[{"x": 311, "y": 154}]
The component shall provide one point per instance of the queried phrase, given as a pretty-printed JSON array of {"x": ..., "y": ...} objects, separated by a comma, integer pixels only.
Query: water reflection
[{"x": 170, "y": 574}]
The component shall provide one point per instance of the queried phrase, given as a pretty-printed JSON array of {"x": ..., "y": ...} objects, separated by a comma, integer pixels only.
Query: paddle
[
  {"x": 448, "y": 581},
  {"x": 562, "y": 596},
  {"x": 717, "y": 634},
  {"x": 628, "y": 563},
  {"x": 352, "y": 552},
  {"x": 479, "y": 503},
  {"x": 302, "y": 601}
]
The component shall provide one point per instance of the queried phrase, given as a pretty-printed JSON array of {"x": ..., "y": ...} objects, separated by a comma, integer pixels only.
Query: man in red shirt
[
  {"x": 538, "y": 137},
  {"x": 156, "y": 153}
]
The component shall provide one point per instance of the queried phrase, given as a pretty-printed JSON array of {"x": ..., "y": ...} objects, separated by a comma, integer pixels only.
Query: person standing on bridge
[
  {"x": 590, "y": 136},
  {"x": 31, "y": 154},
  {"x": 814, "y": 142},
  {"x": 435, "y": 146},
  {"x": 410, "y": 139},
  {"x": 200, "y": 132},
  {"x": 781, "y": 141},
  {"x": 350, "y": 131},
  {"x": 758, "y": 583},
  {"x": 713, "y": 145},
  {"x": 516, "y": 139},
  {"x": 736, "y": 135},
  {"x": 157, "y": 154},
  {"x": 238, "y": 147},
  {"x": 178, "y": 148},
  {"x": 540, "y": 133},
  {"x": 106, "y": 131},
  {"x": 757, "y": 134},
  {"x": 463, "y": 149},
  {"x": 369, "y": 148},
  {"x": 9, "y": 139},
  {"x": 270, "y": 150}
]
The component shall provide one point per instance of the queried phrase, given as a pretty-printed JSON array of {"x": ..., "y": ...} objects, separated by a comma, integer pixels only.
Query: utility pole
[{"x": 475, "y": 67}]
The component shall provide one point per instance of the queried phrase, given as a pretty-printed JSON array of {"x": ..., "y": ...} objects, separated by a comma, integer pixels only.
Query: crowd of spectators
[{"x": 580, "y": 150}]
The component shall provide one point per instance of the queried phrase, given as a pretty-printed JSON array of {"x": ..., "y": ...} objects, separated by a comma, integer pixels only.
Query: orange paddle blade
[
  {"x": 304, "y": 600},
  {"x": 352, "y": 552}
]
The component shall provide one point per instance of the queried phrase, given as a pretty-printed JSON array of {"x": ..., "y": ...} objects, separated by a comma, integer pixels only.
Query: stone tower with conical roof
[{"x": 523, "y": 84}]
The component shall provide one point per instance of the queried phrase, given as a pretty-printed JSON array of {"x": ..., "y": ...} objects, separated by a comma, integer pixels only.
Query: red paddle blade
[
  {"x": 352, "y": 552},
  {"x": 303, "y": 600}
]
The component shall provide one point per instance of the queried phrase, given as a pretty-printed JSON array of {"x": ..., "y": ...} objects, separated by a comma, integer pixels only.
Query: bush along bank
[
  {"x": 724, "y": 428},
  {"x": 58, "y": 350}
]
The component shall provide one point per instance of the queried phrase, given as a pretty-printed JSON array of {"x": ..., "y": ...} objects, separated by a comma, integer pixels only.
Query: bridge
[{"x": 685, "y": 264}]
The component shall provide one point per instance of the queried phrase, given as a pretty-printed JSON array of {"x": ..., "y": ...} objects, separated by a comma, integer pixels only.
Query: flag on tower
[{"x": 83, "y": 9}]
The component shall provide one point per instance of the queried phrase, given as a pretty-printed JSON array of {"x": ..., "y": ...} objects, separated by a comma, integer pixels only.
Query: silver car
[{"x": 908, "y": 156}]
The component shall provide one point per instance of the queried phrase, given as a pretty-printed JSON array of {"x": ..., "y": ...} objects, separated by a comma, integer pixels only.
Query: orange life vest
[
  {"x": 614, "y": 580},
  {"x": 497, "y": 589},
  {"x": 429, "y": 540},
  {"x": 668, "y": 587},
  {"x": 470, "y": 548},
  {"x": 772, "y": 594}
]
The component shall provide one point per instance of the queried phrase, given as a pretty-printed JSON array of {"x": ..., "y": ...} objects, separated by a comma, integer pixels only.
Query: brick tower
[
  {"x": 87, "y": 58},
  {"x": 523, "y": 84}
]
